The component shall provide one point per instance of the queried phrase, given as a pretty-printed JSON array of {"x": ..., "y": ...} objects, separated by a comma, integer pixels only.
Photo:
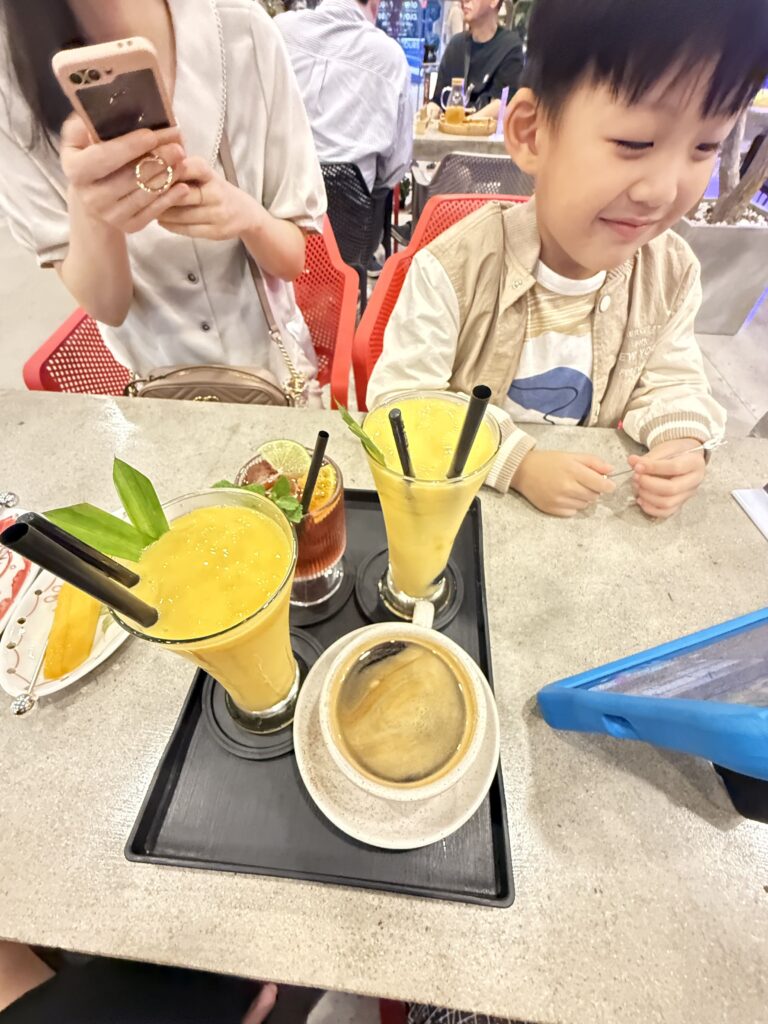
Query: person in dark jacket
[{"x": 488, "y": 58}]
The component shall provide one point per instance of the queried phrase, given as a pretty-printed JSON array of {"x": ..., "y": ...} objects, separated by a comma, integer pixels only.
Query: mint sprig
[{"x": 279, "y": 494}]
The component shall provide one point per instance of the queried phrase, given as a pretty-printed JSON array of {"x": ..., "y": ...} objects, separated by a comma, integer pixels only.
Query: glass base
[
  {"x": 271, "y": 719},
  {"x": 402, "y": 604},
  {"x": 316, "y": 589}
]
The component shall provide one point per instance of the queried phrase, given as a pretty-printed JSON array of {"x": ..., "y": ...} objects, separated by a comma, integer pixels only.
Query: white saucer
[
  {"x": 388, "y": 824},
  {"x": 27, "y": 633}
]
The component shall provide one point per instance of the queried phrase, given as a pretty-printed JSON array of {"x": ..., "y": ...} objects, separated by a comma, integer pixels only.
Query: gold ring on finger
[{"x": 154, "y": 158}]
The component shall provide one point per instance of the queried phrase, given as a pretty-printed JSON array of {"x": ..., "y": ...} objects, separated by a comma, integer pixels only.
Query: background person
[
  {"x": 355, "y": 83},
  {"x": 487, "y": 56},
  {"x": 356, "y": 86},
  {"x": 166, "y": 276}
]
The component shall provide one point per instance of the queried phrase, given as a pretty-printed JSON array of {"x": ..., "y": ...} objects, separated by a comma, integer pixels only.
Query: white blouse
[{"x": 194, "y": 300}]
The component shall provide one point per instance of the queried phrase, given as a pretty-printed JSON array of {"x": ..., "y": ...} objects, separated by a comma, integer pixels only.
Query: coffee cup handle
[{"x": 423, "y": 614}]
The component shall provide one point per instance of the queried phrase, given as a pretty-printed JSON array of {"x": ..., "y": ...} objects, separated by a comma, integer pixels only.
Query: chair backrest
[
  {"x": 76, "y": 359},
  {"x": 351, "y": 212},
  {"x": 439, "y": 214},
  {"x": 327, "y": 294},
  {"x": 463, "y": 173}
]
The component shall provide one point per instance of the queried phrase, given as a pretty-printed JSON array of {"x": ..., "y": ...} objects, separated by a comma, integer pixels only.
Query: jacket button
[
  {"x": 604, "y": 303},
  {"x": 192, "y": 278},
  {"x": 205, "y": 325}
]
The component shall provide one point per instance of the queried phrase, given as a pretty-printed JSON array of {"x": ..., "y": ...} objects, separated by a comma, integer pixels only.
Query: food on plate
[{"x": 73, "y": 632}]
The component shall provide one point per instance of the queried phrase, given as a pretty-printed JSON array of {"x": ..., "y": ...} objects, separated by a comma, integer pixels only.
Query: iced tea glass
[{"x": 322, "y": 536}]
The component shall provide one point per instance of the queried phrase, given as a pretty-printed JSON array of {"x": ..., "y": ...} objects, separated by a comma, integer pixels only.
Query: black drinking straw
[
  {"x": 314, "y": 469},
  {"x": 475, "y": 411},
  {"x": 62, "y": 562},
  {"x": 78, "y": 547},
  {"x": 401, "y": 442}
]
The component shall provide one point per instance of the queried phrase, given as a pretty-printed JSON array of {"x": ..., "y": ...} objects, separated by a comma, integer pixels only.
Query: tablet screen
[{"x": 732, "y": 670}]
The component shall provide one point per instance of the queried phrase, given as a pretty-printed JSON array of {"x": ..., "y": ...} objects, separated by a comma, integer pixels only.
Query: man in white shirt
[{"x": 356, "y": 84}]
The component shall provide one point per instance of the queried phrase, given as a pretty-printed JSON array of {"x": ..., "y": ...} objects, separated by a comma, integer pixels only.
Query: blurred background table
[{"x": 434, "y": 144}]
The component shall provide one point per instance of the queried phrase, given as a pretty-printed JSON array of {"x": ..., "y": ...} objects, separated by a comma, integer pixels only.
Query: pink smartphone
[{"x": 116, "y": 87}]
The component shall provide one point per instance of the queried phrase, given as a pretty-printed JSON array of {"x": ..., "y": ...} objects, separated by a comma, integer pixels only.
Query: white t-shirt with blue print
[{"x": 553, "y": 382}]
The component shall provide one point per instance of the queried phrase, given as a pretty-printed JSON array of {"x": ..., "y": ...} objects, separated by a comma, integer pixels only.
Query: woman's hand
[
  {"x": 562, "y": 483},
  {"x": 662, "y": 484},
  {"x": 102, "y": 177},
  {"x": 213, "y": 208},
  {"x": 217, "y": 210}
]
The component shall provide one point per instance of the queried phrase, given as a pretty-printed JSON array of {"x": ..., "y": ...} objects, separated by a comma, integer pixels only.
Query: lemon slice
[{"x": 289, "y": 458}]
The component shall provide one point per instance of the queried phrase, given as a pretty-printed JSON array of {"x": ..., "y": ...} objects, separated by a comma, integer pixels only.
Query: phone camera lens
[
  {"x": 76, "y": 78},
  {"x": 93, "y": 75}
]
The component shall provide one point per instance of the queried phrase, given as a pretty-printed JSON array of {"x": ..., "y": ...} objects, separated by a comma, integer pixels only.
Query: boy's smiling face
[{"x": 610, "y": 176}]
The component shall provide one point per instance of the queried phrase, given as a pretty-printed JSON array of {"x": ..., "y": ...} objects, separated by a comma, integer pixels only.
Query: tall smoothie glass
[
  {"x": 423, "y": 513},
  {"x": 229, "y": 559}
]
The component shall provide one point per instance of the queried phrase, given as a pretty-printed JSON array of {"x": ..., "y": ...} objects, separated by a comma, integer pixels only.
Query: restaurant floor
[{"x": 34, "y": 303}]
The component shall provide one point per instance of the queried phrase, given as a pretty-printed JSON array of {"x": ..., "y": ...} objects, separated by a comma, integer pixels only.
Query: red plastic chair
[
  {"x": 439, "y": 213},
  {"x": 327, "y": 293},
  {"x": 76, "y": 359}
]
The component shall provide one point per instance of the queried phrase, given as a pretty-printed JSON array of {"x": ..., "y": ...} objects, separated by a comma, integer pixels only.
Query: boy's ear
[{"x": 521, "y": 121}]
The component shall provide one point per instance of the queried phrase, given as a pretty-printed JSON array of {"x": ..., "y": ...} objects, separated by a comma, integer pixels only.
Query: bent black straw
[
  {"x": 475, "y": 411},
  {"x": 62, "y": 562},
  {"x": 314, "y": 469},
  {"x": 401, "y": 442}
]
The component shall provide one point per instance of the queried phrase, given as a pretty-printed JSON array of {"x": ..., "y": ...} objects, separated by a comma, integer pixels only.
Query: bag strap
[{"x": 296, "y": 384}]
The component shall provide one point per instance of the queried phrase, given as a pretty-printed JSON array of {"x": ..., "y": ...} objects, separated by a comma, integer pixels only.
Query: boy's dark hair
[{"x": 630, "y": 45}]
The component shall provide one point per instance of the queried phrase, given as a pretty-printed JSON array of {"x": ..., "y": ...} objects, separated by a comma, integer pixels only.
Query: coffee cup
[{"x": 403, "y": 711}]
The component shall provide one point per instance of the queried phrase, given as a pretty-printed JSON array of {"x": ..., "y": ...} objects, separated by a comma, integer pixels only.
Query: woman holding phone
[{"x": 145, "y": 230}]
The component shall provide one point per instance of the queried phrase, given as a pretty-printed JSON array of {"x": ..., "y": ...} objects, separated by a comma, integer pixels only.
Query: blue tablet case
[{"x": 705, "y": 694}]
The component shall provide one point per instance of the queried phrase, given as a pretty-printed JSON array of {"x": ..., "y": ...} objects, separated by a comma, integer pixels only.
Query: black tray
[{"x": 208, "y": 808}]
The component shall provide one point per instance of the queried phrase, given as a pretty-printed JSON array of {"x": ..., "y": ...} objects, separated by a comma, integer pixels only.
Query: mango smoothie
[
  {"x": 422, "y": 515},
  {"x": 221, "y": 581}
]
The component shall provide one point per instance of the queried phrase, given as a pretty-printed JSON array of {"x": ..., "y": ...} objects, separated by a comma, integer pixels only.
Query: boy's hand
[
  {"x": 661, "y": 487},
  {"x": 562, "y": 483}
]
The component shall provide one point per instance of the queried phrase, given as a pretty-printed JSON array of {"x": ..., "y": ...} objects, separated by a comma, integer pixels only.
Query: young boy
[{"x": 578, "y": 307}]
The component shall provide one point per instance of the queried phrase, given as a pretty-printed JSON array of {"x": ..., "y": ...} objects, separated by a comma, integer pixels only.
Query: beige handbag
[{"x": 218, "y": 383}]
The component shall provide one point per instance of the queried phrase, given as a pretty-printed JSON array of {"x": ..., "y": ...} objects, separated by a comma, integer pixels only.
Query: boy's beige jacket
[{"x": 647, "y": 371}]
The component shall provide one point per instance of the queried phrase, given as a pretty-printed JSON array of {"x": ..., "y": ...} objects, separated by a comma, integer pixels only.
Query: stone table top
[{"x": 641, "y": 895}]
